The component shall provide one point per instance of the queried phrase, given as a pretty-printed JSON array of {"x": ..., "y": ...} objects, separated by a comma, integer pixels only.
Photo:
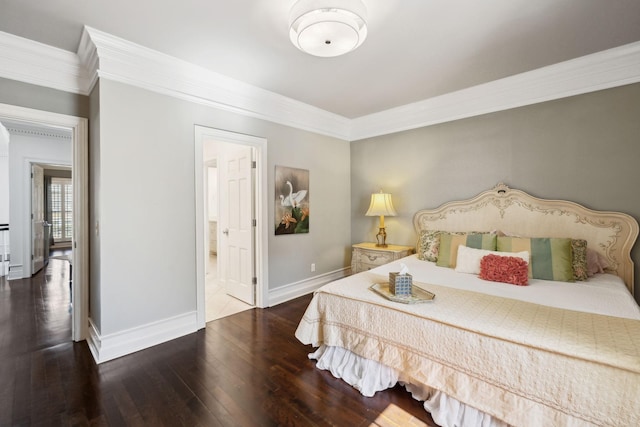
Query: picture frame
[{"x": 291, "y": 200}]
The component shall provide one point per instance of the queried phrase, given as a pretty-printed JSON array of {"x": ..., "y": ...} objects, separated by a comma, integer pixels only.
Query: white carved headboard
[{"x": 513, "y": 211}]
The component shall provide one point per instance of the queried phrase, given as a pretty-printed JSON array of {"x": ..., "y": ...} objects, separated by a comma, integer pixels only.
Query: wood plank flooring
[{"x": 243, "y": 370}]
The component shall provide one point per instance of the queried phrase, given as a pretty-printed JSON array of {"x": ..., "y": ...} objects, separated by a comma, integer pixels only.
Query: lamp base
[{"x": 381, "y": 237}]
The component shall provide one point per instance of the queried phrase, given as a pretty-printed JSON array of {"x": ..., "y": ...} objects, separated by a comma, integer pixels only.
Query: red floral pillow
[{"x": 506, "y": 269}]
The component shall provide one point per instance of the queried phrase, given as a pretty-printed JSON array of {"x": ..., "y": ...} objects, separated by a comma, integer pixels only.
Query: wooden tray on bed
[{"x": 418, "y": 295}]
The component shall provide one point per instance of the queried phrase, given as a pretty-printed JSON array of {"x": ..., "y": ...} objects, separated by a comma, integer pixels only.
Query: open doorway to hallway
[
  {"x": 36, "y": 193},
  {"x": 51, "y": 213},
  {"x": 36, "y": 196},
  {"x": 20, "y": 265}
]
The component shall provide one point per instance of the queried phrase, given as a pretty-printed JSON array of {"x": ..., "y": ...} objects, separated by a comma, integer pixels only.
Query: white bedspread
[
  {"x": 522, "y": 362},
  {"x": 602, "y": 293}
]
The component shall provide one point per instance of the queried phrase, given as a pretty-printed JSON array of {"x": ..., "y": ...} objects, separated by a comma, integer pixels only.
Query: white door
[
  {"x": 237, "y": 223},
  {"x": 37, "y": 219}
]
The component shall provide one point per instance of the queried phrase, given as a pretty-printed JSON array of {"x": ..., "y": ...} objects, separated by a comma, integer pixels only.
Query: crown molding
[
  {"x": 602, "y": 70},
  {"x": 101, "y": 55},
  {"x": 38, "y": 132},
  {"x": 39, "y": 64},
  {"x": 88, "y": 57},
  {"x": 121, "y": 60}
]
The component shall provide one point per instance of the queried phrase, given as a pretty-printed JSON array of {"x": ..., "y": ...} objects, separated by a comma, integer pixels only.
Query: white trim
[
  {"x": 44, "y": 133},
  {"x": 15, "y": 271},
  {"x": 81, "y": 227},
  {"x": 261, "y": 211},
  {"x": 603, "y": 70},
  {"x": 109, "y": 347},
  {"x": 109, "y": 57},
  {"x": 126, "y": 62},
  {"x": 40, "y": 64},
  {"x": 303, "y": 287},
  {"x": 80, "y": 140}
]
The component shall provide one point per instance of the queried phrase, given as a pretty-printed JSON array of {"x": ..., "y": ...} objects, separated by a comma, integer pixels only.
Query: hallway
[{"x": 34, "y": 312}]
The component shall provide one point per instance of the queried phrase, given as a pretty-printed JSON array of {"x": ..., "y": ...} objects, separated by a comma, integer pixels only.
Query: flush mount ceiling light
[{"x": 327, "y": 27}]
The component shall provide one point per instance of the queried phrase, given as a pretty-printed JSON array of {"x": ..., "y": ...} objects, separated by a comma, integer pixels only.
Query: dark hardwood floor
[{"x": 244, "y": 370}]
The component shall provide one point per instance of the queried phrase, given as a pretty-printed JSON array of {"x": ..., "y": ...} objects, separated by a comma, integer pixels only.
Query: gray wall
[
  {"x": 584, "y": 148},
  {"x": 328, "y": 243},
  {"x": 146, "y": 197},
  {"x": 41, "y": 98},
  {"x": 141, "y": 189}
]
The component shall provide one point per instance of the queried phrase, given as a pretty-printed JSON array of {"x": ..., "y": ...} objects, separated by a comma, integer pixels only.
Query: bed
[{"x": 488, "y": 353}]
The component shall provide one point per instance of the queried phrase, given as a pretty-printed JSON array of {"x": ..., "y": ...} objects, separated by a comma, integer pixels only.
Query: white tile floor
[{"x": 218, "y": 303}]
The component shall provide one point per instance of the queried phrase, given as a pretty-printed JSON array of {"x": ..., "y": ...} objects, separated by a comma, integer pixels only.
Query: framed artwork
[{"x": 291, "y": 200}]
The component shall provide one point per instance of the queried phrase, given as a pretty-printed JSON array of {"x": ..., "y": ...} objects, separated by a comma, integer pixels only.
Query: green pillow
[
  {"x": 449, "y": 242},
  {"x": 551, "y": 258}
]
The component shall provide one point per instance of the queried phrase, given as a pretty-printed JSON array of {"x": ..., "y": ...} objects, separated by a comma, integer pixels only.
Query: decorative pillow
[
  {"x": 596, "y": 262},
  {"x": 428, "y": 244},
  {"x": 579, "y": 259},
  {"x": 506, "y": 233},
  {"x": 506, "y": 269},
  {"x": 468, "y": 260},
  {"x": 449, "y": 242},
  {"x": 550, "y": 257}
]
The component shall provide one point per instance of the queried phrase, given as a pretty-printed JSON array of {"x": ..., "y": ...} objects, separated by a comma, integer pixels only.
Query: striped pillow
[
  {"x": 551, "y": 258},
  {"x": 449, "y": 242}
]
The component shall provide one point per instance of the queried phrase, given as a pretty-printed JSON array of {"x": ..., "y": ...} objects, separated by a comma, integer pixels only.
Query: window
[{"x": 61, "y": 209}]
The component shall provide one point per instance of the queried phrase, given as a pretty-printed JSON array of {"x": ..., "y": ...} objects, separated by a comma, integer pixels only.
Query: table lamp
[{"x": 381, "y": 205}]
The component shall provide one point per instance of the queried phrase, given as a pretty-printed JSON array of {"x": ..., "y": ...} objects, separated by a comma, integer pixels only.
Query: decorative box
[{"x": 400, "y": 284}]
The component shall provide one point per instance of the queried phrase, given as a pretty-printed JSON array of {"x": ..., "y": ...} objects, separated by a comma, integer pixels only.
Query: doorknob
[{"x": 225, "y": 231}]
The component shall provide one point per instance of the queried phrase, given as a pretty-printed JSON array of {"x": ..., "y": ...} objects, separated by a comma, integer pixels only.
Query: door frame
[
  {"x": 32, "y": 232},
  {"x": 80, "y": 178},
  {"x": 202, "y": 134}
]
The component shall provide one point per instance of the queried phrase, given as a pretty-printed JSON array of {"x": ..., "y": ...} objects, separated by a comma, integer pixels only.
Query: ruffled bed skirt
[{"x": 368, "y": 377}]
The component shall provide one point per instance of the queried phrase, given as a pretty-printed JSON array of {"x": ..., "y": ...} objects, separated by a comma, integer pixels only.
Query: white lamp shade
[
  {"x": 381, "y": 204},
  {"x": 327, "y": 28}
]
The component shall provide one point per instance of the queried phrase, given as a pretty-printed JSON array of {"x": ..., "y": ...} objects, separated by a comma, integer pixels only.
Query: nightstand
[{"x": 366, "y": 256}]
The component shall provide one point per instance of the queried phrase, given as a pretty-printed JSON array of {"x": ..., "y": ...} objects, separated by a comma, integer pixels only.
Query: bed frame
[{"x": 515, "y": 212}]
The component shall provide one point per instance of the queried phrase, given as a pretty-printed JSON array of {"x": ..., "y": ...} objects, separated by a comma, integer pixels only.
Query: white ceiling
[{"x": 415, "y": 50}]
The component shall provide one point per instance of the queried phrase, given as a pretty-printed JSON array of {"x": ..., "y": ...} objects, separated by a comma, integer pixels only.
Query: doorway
[
  {"x": 234, "y": 261},
  {"x": 51, "y": 210},
  {"x": 78, "y": 128}
]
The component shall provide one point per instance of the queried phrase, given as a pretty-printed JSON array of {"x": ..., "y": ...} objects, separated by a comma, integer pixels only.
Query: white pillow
[{"x": 468, "y": 260}]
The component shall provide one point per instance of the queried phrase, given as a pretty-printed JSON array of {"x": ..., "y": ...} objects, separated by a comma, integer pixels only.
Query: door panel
[
  {"x": 238, "y": 236},
  {"x": 37, "y": 219}
]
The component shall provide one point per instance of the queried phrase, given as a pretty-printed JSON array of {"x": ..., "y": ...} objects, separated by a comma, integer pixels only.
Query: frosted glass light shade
[
  {"x": 381, "y": 204},
  {"x": 327, "y": 28}
]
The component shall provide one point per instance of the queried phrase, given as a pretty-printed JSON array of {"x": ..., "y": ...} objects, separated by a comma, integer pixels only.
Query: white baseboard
[
  {"x": 109, "y": 347},
  {"x": 15, "y": 272},
  {"x": 303, "y": 287}
]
